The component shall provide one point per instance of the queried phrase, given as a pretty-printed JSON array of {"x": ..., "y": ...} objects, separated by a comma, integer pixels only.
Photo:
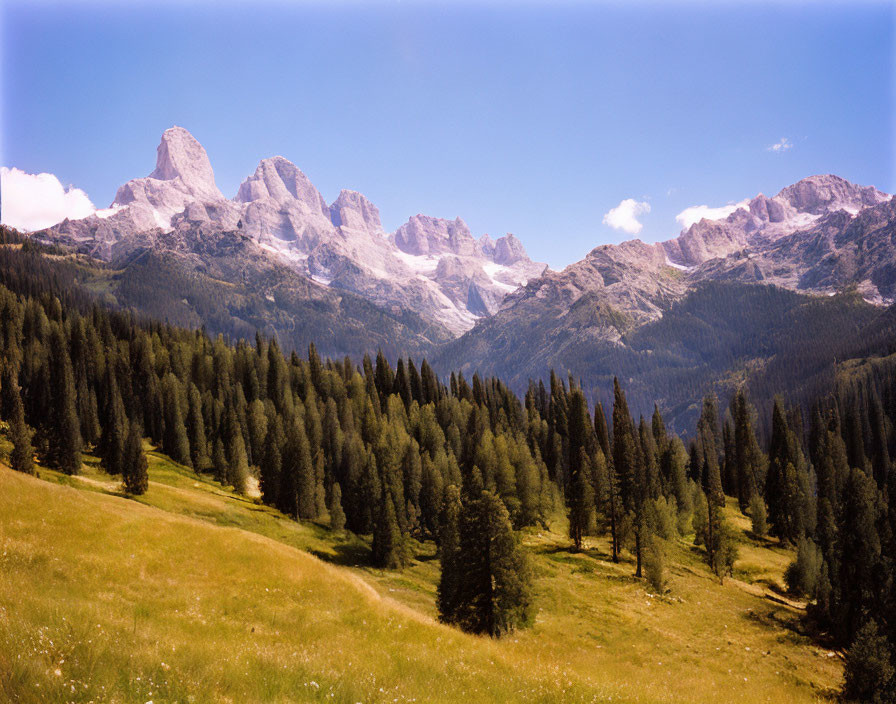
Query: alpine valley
[{"x": 727, "y": 300}]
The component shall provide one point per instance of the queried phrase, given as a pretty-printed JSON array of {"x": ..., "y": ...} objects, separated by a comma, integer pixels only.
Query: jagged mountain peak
[
  {"x": 509, "y": 250},
  {"x": 824, "y": 193},
  {"x": 353, "y": 210},
  {"x": 180, "y": 155},
  {"x": 279, "y": 180},
  {"x": 423, "y": 234}
]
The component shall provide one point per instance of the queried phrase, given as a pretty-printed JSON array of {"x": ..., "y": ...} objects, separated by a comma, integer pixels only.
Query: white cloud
[
  {"x": 35, "y": 201},
  {"x": 625, "y": 216},
  {"x": 696, "y": 213},
  {"x": 781, "y": 145}
]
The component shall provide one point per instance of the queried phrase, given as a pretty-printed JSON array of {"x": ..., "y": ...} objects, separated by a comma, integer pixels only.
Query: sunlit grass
[{"x": 192, "y": 593}]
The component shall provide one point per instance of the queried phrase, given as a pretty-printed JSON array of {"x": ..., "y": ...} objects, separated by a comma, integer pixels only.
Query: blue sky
[{"x": 529, "y": 118}]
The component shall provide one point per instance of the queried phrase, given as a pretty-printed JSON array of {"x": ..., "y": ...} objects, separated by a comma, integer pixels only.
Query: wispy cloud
[
  {"x": 35, "y": 201},
  {"x": 782, "y": 145},
  {"x": 625, "y": 216},
  {"x": 696, "y": 213}
]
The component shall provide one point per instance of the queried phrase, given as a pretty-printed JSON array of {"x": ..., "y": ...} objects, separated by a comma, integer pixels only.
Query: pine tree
[
  {"x": 22, "y": 457},
  {"x": 115, "y": 430},
  {"x": 870, "y": 672},
  {"x": 64, "y": 425},
  {"x": 749, "y": 469},
  {"x": 271, "y": 467},
  {"x": 388, "y": 543},
  {"x": 175, "y": 441},
  {"x": 134, "y": 466},
  {"x": 196, "y": 430},
  {"x": 580, "y": 491},
  {"x": 495, "y": 580},
  {"x": 448, "y": 597},
  {"x": 337, "y": 515},
  {"x": 219, "y": 461}
]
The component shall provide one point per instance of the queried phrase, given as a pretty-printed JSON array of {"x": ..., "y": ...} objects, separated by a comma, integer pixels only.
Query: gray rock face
[
  {"x": 354, "y": 211},
  {"x": 823, "y": 194},
  {"x": 763, "y": 220},
  {"x": 422, "y": 234},
  {"x": 430, "y": 266},
  {"x": 279, "y": 181},
  {"x": 180, "y": 156},
  {"x": 509, "y": 250}
]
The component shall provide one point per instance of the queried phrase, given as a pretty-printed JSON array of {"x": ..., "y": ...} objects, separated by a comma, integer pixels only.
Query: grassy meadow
[{"x": 194, "y": 594}]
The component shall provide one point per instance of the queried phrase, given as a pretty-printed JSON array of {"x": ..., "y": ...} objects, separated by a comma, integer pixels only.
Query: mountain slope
[
  {"x": 820, "y": 236},
  {"x": 227, "y": 285},
  {"x": 716, "y": 337}
]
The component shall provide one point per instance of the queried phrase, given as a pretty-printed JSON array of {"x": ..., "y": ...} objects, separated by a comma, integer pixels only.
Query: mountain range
[
  {"x": 430, "y": 266},
  {"x": 277, "y": 257}
]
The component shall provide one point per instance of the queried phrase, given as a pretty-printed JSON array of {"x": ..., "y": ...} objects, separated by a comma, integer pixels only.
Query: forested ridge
[{"x": 397, "y": 453}]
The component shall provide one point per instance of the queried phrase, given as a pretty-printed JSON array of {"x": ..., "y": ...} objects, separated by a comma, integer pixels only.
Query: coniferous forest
[{"x": 394, "y": 452}]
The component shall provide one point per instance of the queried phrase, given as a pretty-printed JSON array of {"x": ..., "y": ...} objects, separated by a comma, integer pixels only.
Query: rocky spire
[
  {"x": 179, "y": 155},
  {"x": 280, "y": 181},
  {"x": 509, "y": 250},
  {"x": 352, "y": 210}
]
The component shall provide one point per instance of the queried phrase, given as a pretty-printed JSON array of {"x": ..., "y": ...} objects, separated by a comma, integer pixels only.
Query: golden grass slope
[{"x": 193, "y": 594}]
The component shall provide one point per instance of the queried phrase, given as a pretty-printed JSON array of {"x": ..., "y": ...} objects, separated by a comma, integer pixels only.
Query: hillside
[
  {"x": 719, "y": 335},
  {"x": 192, "y": 593}
]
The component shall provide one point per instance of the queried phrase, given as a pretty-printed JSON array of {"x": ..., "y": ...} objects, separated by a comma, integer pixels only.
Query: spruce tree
[
  {"x": 134, "y": 466},
  {"x": 64, "y": 434},
  {"x": 271, "y": 465},
  {"x": 449, "y": 594},
  {"x": 337, "y": 515},
  {"x": 175, "y": 441},
  {"x": 22, "y": 456},
  {"x": 196, "y": 430},
  {"x": 749, "y": 463},
  {"x": 388, "y": 545},
  {"x": 115, "y": 430},
  {"x": 219, "y": 461},
  {"x": 580, "y": 490},
  {"x": 870, "y": 672},
  {"x": 495, "y": 580},
  {"x": 297, "y": 481},
  {"x": 511, "y": 575},
  {"x": 237, "y": 463}
]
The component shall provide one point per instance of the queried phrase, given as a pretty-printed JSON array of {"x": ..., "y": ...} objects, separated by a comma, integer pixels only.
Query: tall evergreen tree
[
  {"x": 22, "y": 456},
  {"x": 62, "y": 422},
  {"x": 134, "y": 466},
  {"x": 495, "y": 582},
  {"x": 451, "y": 578},
  {"x": 580, "y": 490}
]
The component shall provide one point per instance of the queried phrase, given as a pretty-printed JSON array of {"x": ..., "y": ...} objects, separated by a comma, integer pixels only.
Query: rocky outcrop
[
  {"x": 353, "y": 211},
  {"x": 763, "y": 220},
  {"x": 422, "y": 235}
]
